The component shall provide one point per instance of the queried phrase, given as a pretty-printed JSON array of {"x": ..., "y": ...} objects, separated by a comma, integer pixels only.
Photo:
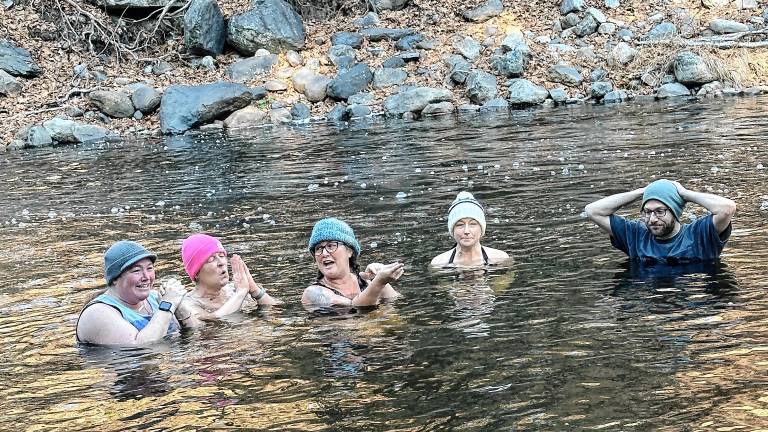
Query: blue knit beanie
[
  {"x": 332, "y": 229},
  {"x": 665, "y": 191},
  {"x": 122, "y": 255}
]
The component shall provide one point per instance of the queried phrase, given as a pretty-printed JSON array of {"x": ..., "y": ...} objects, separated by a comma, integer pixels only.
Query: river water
[{"x": 569, "y": 337}]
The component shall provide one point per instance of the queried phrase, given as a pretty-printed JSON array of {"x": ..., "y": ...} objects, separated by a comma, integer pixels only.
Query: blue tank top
[{"x": 136, "y": 319}]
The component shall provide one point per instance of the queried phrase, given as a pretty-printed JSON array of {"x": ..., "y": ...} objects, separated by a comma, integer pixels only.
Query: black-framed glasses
[
  {"x": 329, "y": 247},
  {"x": 659, "y": 212}
]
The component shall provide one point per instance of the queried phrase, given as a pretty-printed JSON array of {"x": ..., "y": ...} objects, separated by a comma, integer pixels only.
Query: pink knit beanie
[{"x": 196, "y": 250}]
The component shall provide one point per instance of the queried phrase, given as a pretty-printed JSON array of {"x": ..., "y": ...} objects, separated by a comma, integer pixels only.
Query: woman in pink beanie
[{"x": 205, "y": 261}]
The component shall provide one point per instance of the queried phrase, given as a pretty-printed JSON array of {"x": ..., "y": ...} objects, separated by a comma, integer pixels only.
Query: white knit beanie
[{"x": 465, "y": 206}]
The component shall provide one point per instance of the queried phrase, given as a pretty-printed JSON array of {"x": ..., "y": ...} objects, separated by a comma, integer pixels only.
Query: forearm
[
  {"x": 233, "y": 304},
  {"x": 369, "y": 296},
  {"x": 156, "y": 329},
  {"x": 715, "y": 204},
  {"x": 265, "y": 299},
  {"x": 611, "y": 204}
]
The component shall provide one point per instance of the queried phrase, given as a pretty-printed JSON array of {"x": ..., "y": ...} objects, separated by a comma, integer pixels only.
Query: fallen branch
[
  {"x": 40, "y": 111},
  {"x": 721, "y": 41},
  {"x": 74, "y": 91}
]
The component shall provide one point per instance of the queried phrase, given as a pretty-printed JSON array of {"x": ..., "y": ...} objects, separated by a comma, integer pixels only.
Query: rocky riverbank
[{"x": 236, "y": 65}]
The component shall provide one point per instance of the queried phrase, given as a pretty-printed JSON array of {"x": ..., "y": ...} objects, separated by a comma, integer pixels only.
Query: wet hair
[{"x": 353, "y": 265}]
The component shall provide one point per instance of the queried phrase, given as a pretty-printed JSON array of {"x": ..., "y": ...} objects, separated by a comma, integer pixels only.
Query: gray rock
[
  {"x": 712, "y": 89},
  {"x": 112, "y": 103},
  {"x": 496, "y": 104},
  {"x": 301, "y": 77},
  {"x": 258, "y": 93},
  {"x": 613, "y": 4},
  {"x": 625, "y": 34},
  {"x": 746, "y": 4},
  {"x": 16, "y": 144},
  {"x": 597, "y": 14},
  {"x": 509, "y": 64},
  {"x": 280, "y": 115},
  {"x": 436, "y": 109},
  {"x": 459, "y": 68},
  {"x": 724, "y": 26},
  {"x": 560, "y": 48},
  {"x": 247, "y": 69},
  {"x": 690, "y": 69},
  {"x": 481, "y": 86},
  {"x": 378, "y": 34},
  {"x": 407, "y": 43},
  {"x": 468, "y": 47},
  {"x": 204, "y": 28},
  {"x": 586, "y": 26},
  {"x": 74, "y": 112},
  {"x": 524, "y": 92},
  {"x": 672, "y": 90},
  {"x": 84, "y": 133},
  {"x": 607, "y": 28},
  {"x": 558, "y": 95},
  {"x": 665, "y": 30},
  {"x": 341, "y": 55},
  {"x": 666, "y": 79},
  {"x": 711, "y": 4},
  {"x": 570, "y": 20},
  {"x": 388, "y": 77},
  {"x": 161, "y": 67},
  {"x": 393, "y": 62},
  {"x": 294, "y": 58},
  {"x": 599, "y": 89},
  {"x": 38, "y": 136},
  {"x": 390, "y": 4},
  {"x": 358, "y": 111},
  {"x": 316, "y": 88},
  {"x": 360, "y": 99},
  {"x": 184, "y": 107},
  {"x": 145, "y": 98},
  {"x": 415, "y": 99},
  {"x": 484, "y": 12},
  {"x": 61, "y": 130},
  {"x": 515, "y": 41},
  {"x": 410, "y": 56},
  {"x": 206, "y": 62},
  {"x": 564, "y": 74},
  {"x": 568, "y": 6},
  {"x": 9, "y": 86},
  {"x": 623, "y": 54},
  {"x": 350, "y": 82},
  {"x": 598, "y": 75},
  {"x": 121, "y": 81},
  {"x": 355, "y": 40},
  {"x": 339, "y": 113},
  {"x": 300, "y": 112},
  {"x": 468, "y": 108},
  {"x": 17, "y": 61},
  {"x": 274, "y": 85},
  {"x": 269, "y": 24},
  {"x": 371, "y": 19},
  {"x": 247, "y": 117},
  {"x": 138, "y": 115},
  {"x": 615, "y": 96}
]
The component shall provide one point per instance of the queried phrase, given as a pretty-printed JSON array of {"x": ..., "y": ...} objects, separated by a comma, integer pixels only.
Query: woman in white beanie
[{"x": 466, "y": 225}]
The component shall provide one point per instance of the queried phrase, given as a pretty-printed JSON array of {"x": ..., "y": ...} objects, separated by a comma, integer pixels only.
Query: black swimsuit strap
[
  {"x": 362, "y": 283},
  {"x": 482, "y": 249}
]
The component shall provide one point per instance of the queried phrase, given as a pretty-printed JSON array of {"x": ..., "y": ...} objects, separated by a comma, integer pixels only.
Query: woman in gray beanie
[
  {"x": 466, "y": 225},
  {"x": 339, "y": 280},
  {"x": 130, "y": 312}
]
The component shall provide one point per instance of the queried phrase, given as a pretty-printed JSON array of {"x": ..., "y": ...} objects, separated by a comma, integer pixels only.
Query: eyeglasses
[
  {"x": 329, "y": 247},
  {"x": 659, "y": 212}
]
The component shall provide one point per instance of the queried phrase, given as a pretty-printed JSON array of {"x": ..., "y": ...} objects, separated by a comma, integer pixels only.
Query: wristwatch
[{"x": 166, "y": 306}]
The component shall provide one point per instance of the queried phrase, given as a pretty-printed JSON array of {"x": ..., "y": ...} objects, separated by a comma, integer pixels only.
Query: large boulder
[
  {"x": 484, "y": 12},
  {"x": 468, "y": 47},
  {"x": 355, "y": 40},
  {"x": 615, "y": 96},
  {"x": 672, "y": 90},
  {"x": 509, "y": 64},
  {"x": 184, "y": 107},
  {"x": 145, "y": 98},
  {"x": 415, "y": 99},
  {"x": 64, "y": 131},
  {"x": 316, "y": 88},
  {"x": 524, "y": 92},
  {"x": 389, "y": 4},
  {"x": 9, "y": 86},
  {"x": 388, "y": 77},
  {"x": 586, "y": 26},
  {"x": 270, "y": 24},
  {"x": 247, "y": 117},
  {"x": 204, "y": 28},
  {"x": 112, "y": 103},
  {"x": 342, "y": 56},
  {"x": 17, "y": 61},
  {"x": 564, "y": 73},
  {"x": 436, "y": 109},
  {"x": 246, "y": 69},
  {"x": 724, "y": 26},
  {"x": 350, "y": 82},
  {"x": 690, "y": 69},
  {"x": 481, "y": 86}
]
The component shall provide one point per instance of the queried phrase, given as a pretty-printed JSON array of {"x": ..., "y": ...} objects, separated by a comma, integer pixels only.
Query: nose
[
  {"x": 652, "y": 216},
  {"x": 324, "y": 251},
  {"x": 466, "y": 228}
]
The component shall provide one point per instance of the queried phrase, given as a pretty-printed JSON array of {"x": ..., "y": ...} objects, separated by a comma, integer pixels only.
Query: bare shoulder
[
  {"x": 442, "y": 259},
  {"x": 316, "y": 295},
  {"x": 95, "y": 320},
  {"x": 496, "y": 255}
]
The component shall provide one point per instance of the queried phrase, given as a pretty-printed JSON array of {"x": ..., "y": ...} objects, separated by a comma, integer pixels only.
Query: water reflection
[{"x": 570, "y": 337}]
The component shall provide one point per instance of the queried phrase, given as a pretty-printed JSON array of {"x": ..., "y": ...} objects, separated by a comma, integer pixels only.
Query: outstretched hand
[
  {"x": 370, "y": 271},
  {"x": 239, "y": 273},
  {"x": 389, "y": 273}
]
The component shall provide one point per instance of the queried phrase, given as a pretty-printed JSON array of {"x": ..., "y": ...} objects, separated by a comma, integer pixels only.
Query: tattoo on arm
[{"x": 317, "y": 296}]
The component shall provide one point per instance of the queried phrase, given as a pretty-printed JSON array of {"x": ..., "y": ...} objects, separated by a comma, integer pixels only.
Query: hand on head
[
  {"x": 389, "y": 273},
  {"x": 680, "y": 188}
]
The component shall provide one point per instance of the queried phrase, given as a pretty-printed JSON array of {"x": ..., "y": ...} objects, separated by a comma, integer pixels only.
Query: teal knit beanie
[
  {"x": 332, "y": 229},
  {"x": 665, "y": 191},
  {"x": 122, "y": 255}
]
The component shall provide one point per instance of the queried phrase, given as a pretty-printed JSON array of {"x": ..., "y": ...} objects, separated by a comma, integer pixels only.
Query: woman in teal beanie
[{"x": 339, "y": 280}]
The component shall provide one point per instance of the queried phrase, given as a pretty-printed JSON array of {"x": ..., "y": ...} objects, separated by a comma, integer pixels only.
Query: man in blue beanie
[{"x": 659, "y": 236}]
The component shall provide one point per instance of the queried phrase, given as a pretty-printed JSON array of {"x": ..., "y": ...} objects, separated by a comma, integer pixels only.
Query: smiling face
[
  {"x": 467, "y": 232},
  {"x": 135, "y": 283},
  {"x": 335, "y": 264},
  {"x": 214, "y": 272},
  {"x": 659, "y": 226}
]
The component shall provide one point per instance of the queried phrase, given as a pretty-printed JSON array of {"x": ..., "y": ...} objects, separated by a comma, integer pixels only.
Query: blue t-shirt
[
  {"x": 698, "y": 241},
  {"x": 136, "y": 319}
]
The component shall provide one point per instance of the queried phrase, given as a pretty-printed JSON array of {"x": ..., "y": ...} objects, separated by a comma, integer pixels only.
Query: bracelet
[{"x": 258, "y": 297}]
